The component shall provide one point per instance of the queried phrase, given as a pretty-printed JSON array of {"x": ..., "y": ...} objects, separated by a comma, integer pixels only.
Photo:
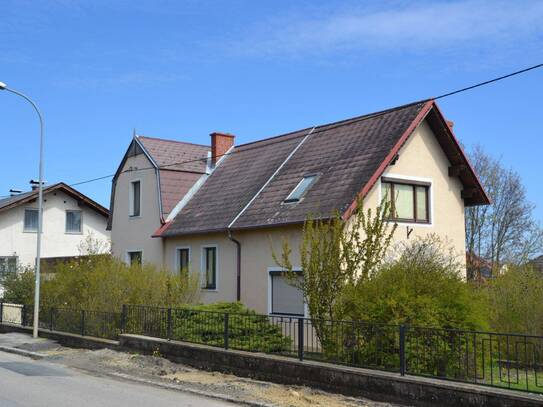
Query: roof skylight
[{"x": 301, "y": 188}]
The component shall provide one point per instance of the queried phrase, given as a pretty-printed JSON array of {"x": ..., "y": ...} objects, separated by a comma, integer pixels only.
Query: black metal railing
[{"x": 494, "y": 359}]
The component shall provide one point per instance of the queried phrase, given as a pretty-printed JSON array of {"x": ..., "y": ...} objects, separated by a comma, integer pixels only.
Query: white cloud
[{"x": 404, "y": 26}]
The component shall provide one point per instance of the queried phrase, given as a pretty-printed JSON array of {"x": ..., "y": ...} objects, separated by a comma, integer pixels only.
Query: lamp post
[{"x": 3, "y": 86}]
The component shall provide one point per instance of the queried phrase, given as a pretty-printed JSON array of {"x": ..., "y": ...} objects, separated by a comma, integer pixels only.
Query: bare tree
[{"x": 506, "y": 230}]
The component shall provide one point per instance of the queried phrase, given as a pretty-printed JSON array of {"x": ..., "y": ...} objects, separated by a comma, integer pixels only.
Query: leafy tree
[{"x": 336, "y": 254}]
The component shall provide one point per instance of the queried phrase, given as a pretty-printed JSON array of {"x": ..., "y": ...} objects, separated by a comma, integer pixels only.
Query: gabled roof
[
  {"x": 30, "y": 196},
  {"x": 248, "y": 189},
  {"x": 178, "y": 165}
]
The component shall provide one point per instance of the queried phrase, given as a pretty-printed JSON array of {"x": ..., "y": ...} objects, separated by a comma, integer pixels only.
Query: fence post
[
  {"x": 402, "y": 350},
  {"x": 123, "y": 318},
  {"x": 169, "y": 323},
  {"x": 301, "y": 338},
  {"x": 226, "y": 330},
  {"x": 51, "y": 311},
  {"x": 23, "y": 315},
  {"x": 82, "y": 322},
  {"x": 1, "y": 311}
]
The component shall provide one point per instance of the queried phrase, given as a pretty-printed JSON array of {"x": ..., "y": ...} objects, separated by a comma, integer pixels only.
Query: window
[
  {"x": 135, "y": 198},
  {"x": 302, "y": 187},
  {"x": 410, "y": 202},
  {"x": 7, "y": 265},
  {"x": 183, "y": 256},
  {"x": 31, "y": 220},
  {"x": 135, "y": 258},
  {"x": 73, "y": 221},
  {"x": 286, "y": 299},
  {"x": 210, "y": 268}
]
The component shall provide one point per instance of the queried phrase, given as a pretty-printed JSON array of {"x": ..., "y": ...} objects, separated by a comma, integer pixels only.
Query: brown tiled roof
[
  {"x": 29, "y": 196},
  {"x": 176, "y": 155},
  {"x": 173, "y": 187},
  {"x": 348, "y": 157}
]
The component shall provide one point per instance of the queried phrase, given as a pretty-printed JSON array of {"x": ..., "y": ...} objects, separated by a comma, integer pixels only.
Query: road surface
[{"x": 27, "y": 383}]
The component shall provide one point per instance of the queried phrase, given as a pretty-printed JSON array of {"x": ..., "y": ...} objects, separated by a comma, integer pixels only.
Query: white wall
[
  {"x": 55, "y": 241},
  {"x": 134, "y": 233}
]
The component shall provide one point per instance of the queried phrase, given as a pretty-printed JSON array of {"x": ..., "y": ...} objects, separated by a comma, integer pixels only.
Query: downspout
[{"x": 238, "y": 265}]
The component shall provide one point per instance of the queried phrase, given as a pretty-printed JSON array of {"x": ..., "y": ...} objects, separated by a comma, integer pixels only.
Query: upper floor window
[
  {"x": 302, "y": 187},
  {"x": 408, "y": 202},
  {"x": 135, "y": 198},
  {"x": 210, "y": 268},
  {"x": 31, "y": 220},
  {"x": 7, "y": 265},
  {"x": 73, "y": 222}
]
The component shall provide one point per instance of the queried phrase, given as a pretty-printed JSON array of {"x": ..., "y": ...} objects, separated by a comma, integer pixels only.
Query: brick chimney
[{"x": 220, "y": 144}]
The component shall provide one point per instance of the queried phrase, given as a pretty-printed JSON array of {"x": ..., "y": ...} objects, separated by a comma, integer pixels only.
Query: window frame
[
  {"x": 178, "y": 258},
  {"x": 290, "y": 200},
  {"x": 276, "y": 271},
  {"x": 203, "y": 268},
  {"x": 129, "y": 260},
  {"x": 68, "y": 232},
  {"x": 131, "y": 202},
  {"x": 413, "y": 183},
  {"x": 6, "y": 259},
  {"x": 25, "y": 230}
]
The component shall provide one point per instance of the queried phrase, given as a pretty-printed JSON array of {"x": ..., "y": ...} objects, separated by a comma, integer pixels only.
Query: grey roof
[
  {"x": 346, "y": 155},
  {"x": 14, "y": 199}
]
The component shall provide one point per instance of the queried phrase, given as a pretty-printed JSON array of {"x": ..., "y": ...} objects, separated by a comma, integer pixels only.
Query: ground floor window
[
  {"x": 8, "y": 265},
  {"x": 209, "y": 263},
  {"x": 135, "y": 258},
  {"x": 183, "y": 256},
  {"x": 286, "y": 298}
]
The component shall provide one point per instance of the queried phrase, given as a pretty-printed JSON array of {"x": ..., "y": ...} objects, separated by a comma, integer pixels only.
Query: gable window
[
  {"x": 31, "y": 220},
  {"x": 286, "y": 298},
  {"x": 183, "y": 256},
  {"x": 135, "y": 198},
  {"x": 135, "y": 258},
  {"x": 302, "y": 187},
  {"x": 408, "y": 202},
  {"x": 73, "y": 222},
  {"x": 209, "y": 268},
  {"x": 8, "y": 265}
]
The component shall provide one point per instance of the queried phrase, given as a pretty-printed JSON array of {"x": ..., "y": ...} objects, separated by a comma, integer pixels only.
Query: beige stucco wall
[
  {"x": 14, "y": 241},
  {"x": 134, "y": 233},
  {"x": 421, "y": 157}
]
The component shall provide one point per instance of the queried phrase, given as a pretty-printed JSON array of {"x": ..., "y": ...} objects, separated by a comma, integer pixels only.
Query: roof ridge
[
  {"x": 172, "y": 141},
  {"x": 339, "y": 122}
]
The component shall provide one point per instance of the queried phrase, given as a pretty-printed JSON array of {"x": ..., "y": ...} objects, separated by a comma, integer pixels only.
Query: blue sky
[{"x": 181, "y": 70}]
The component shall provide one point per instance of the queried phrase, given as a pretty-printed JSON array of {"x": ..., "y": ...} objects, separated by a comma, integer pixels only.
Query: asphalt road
[{"x": 26, "y": 382}]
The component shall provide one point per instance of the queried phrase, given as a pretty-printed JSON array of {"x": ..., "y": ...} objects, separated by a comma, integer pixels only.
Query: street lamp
[{"x": 3, "y": 86}]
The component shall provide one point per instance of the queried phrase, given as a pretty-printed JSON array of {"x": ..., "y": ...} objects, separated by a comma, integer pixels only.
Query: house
[
  {"x": 478, "y": 268},
  {"x": 218, "y": 210},
  {"x": 537, "y": 263},
  {"x": 69, "y": 217}
]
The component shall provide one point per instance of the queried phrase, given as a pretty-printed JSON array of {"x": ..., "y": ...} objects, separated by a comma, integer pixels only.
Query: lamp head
[{"x": 3, "y": 86}]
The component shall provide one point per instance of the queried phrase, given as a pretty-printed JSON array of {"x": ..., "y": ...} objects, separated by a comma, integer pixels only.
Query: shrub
[
  {"x": 19, "y": 287},
  {"x": 515, "y": 301},
  {"x": 104, "y": 283},
  {"x": 423, "y": 286}
]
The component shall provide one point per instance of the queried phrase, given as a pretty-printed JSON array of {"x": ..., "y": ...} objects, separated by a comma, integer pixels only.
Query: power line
[{"x": 326, "y": 127}]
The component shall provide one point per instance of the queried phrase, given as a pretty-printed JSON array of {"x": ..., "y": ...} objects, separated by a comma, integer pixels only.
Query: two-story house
[
  {"x": 223, "y": 207},
  {"x": 69, "y": 217}
]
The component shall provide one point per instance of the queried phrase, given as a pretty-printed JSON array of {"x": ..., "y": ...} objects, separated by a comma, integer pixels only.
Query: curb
[
  {"x": 22, "y": 352},
  {"x": 187, "y": 389}
]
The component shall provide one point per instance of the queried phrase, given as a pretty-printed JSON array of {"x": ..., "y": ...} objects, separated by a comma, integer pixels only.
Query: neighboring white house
[
  {"x": 69, "y": 217},
  {"x": 218, "y": 210}
]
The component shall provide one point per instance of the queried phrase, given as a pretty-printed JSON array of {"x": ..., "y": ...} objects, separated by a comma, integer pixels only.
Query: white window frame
[
  {"x": 429, "y": 182},
  {"x": 269, "y": 272},
  {"x": 25, "y": 230},
  {"x": 66, "y": 222},
  {"x": 127, "y": 256},
  {"x": 131, "y": 199},
  {"x": 203, "y": 267},
  {"x": 176, "y": 260}
]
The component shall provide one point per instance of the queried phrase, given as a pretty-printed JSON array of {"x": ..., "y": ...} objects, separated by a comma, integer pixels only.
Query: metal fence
[{"x": 494, "y": 359}]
